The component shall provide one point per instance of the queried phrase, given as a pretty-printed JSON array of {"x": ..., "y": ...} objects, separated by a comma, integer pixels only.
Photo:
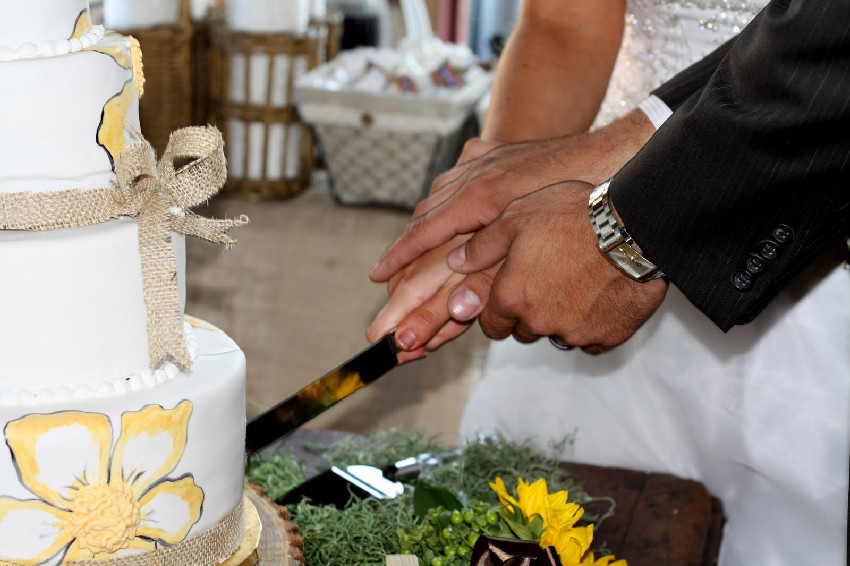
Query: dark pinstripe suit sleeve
[
  {"x": 680, "y": 88},
  {"x": 765, "y": 143}
]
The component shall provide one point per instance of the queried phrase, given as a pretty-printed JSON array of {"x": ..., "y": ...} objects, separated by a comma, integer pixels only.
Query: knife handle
[{"x": 419, "y": 465}]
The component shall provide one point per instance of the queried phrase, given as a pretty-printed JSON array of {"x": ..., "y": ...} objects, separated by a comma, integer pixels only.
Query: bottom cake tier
[{"x": 151, "y": 476}]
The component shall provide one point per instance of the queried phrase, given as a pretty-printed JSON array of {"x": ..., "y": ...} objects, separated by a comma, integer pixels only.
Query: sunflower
[
  {"x": 571, "y": 542},
  {"x": 91, "y": 501}
]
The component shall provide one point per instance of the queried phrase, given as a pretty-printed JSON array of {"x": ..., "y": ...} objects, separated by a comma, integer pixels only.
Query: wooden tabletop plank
[{"x": 659, "y": 518}]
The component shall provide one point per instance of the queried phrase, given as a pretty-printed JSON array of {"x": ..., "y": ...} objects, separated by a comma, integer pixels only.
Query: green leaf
[
  {"x": 535, "y": 528},
  {"x": 427, "y": 496}
]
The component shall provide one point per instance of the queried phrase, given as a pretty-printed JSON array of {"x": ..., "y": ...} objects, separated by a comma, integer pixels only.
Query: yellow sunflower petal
[
  {"x": 500, "y": 489},
  {"x": 57, "y": 453},
  {"x": 533, "y": 498},
  {"x": 151, "y": 444},
  {"x": 33, "y": 526},
  {"x": 571, "y": 544},
  {"x": 566, "y": 516},
  {"x": 170, "y": 509}
]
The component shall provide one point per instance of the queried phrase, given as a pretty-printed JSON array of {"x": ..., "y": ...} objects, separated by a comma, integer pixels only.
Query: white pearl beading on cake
[
  {"x": 118, "y": 386},
  {"x": 51, "y": 48}
]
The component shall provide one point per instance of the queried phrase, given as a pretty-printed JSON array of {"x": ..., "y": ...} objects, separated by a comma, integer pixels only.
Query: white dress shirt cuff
[{"x": 655, "y": 110}]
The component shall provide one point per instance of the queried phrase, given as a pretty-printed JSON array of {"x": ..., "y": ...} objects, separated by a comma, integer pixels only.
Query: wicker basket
[
  {"x": 386, "y": 148},
  {"x": 328, "y": 31},
  {"x": 167, "y": 58},
  {"x": 269, "y": 149}
]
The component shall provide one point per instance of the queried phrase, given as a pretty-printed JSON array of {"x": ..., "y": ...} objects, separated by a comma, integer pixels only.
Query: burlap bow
[{"x": 191, "y": 170}]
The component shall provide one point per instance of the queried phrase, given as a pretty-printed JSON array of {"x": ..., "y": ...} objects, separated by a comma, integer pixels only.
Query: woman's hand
[{"x": 417, "y": 307}]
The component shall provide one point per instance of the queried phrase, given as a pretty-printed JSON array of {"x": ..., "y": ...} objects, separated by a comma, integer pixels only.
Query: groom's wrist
[{"x": 615, "y": 243}]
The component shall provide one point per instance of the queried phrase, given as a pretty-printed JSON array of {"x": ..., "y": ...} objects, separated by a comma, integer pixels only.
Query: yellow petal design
[
  {"x": 110, "y": 134},
  {"x": 57, "y": 453},
  {"x": 151, "y": 444},
  {"x": 198, "y": 323},
  {"x": 82, "y": 26},
  {"x": 113, "y": 45},
  {"x": 76, "y": 554},
  {"x": 138, "y": 68},
  {"x": 28, "y": 525},
  {"x": 170, "y": 509}
]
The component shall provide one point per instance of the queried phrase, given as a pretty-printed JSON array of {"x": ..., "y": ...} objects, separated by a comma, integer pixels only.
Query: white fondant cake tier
[
  {"x": 73, "y": 305},
  {"x": 64, "y": 118},
  {"x": 133, "y": 472},
  {"x": 38, "y": 21},
  {"x": 123, "y": 15},
  {"x": 104, "y": 457}
]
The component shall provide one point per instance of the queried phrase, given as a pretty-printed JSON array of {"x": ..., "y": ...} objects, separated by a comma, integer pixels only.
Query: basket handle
[{"x": 185, "y": 21}]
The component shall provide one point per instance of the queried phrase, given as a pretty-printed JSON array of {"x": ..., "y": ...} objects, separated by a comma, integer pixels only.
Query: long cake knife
[{"x": 319, "y": 396}]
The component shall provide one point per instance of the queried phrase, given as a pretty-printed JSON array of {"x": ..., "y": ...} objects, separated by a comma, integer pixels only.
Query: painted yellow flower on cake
[{"x": 94, "y": 502}]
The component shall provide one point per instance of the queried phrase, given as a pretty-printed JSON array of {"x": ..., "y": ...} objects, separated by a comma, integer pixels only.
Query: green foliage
[
  {"x": 367, "y": 530},
  {"x": 278, "y": 474},
  {"x": 361, "y": 534},
  {"x": 446, "y": 537},
  {"x": 427, "y": 497},
  {"x": 519, "y": 525},
  {"x": 379, "y": 449}
]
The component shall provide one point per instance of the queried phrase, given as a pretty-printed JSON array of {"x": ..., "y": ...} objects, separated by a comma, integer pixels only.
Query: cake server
[
  {"x": 322, "y": 394},
  {"x": 338, "y": 485}
]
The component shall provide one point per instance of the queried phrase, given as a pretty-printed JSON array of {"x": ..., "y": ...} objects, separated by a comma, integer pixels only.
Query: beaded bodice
[{"x": 663, "y": 37}]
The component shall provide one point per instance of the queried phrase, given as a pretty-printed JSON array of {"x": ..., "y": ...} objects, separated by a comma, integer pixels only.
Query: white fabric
[
  {"x": 655, "y": 110},
  {"x": 760, "y": 415}
]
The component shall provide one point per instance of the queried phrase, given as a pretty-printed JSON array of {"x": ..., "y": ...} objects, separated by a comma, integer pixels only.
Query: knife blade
[{"x": 322, "y": 394}]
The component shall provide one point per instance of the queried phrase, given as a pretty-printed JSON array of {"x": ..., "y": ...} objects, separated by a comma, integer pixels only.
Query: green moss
[{"x": 365, "y": 532}]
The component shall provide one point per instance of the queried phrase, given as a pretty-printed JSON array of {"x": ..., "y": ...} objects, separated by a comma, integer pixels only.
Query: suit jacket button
[
  {"x": 768, "y": 249},
  {"x": 782, "y": 234},
  {"x": 754, "y": 264},
  {"x": 742, "y": 280}
]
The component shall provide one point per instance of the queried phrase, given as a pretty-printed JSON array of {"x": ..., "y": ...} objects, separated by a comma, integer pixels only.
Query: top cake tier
[
  {"x": 69, "y": 107},
  {"x": 38, "y": 22}
]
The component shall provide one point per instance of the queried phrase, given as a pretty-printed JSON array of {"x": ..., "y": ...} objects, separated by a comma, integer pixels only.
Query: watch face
[{"x": 630, "y": 262}]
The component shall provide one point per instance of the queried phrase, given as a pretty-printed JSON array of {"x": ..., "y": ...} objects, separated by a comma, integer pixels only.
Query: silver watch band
[{"x": 614, "y": 242}]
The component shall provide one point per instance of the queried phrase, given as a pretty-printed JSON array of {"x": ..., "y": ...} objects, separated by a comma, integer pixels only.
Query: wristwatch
[{"x": 614, "y": 242}]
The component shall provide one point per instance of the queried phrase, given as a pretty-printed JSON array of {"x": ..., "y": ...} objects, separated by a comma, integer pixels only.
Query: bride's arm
[{"x": 555, "y": 68}]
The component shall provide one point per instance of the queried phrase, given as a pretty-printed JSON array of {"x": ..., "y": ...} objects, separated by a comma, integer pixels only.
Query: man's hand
[
  {"x": 553, "y": 281},
  {"x": 472, "y": 194}
]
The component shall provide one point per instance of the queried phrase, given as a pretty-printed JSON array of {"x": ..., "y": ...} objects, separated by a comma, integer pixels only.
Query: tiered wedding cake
[{"x": 123, "y": 425}]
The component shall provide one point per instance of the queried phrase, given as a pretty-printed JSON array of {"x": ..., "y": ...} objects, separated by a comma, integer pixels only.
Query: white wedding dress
[{"x": 760, "y": 415}]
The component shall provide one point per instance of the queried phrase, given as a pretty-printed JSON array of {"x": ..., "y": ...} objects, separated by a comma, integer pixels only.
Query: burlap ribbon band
[
  {"x": 192, "y": 169},
  {"x": 209, "y": 547}
]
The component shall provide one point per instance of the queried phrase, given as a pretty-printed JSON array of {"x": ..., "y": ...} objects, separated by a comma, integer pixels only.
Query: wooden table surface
[{"x": 660, "y": 519}]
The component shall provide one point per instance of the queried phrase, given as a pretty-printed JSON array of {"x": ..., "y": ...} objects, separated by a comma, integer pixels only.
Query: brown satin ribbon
[
  {"x": 192, "y": 169},
  {"x": 497, "y": 551}
]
